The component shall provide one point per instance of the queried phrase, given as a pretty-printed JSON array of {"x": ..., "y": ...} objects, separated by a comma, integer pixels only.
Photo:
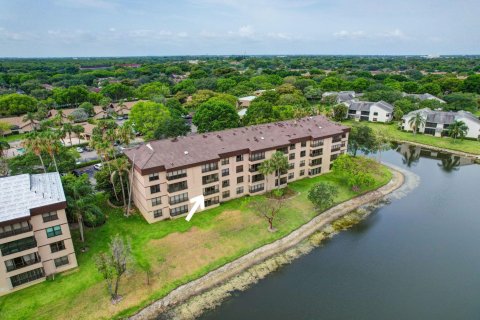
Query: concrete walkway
[{"x": 229, "y": 270}]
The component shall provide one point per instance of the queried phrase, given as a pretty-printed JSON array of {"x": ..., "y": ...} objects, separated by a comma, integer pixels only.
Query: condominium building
[
  {"x": 224, "y": 165},
  {"x": 35, "y": 240}
]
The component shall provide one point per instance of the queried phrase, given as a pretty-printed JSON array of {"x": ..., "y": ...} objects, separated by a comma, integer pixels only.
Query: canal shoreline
[
  {"x": 217, "y": 284},
  {"x": 473, "y": 156}
]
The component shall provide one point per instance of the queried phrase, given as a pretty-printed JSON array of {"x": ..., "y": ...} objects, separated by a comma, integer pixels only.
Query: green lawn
[
  {"x": 174, "y": 252},
  {"x": 15, "y": 137},
  {"x": 468, "y": 146}
]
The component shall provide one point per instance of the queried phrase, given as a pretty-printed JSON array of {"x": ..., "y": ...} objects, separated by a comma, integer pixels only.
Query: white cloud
[
  {"x": 7, "y": 35},
  {"x": 395, "y": 34},
  {"x": 97, "y": 4},
  {"x": 344, "y": 34}
]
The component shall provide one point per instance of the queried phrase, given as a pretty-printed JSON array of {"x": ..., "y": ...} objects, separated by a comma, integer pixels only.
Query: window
[
  {"x": 291, "y": 166},
  {"x": 292, "y": 146},
  {"x": 53, "y": 231},
  {"x": 209, "y": 167},
  {"x": 374, "y": 119},
  {"x": 284, "y": 150},
  {"x": 302, "y": 163},
  {"x": 282, "y": 181},
  {"x": 26, "y": 277},
  {"x": 302, "y": 153},
  {"x": 316, "y": 143},
  {"x": 333, "y": 157},
  {"x": 20, "y": 262},
  {"x": 13, "y": 229},
  {"x": 291, "y": 156},
  {"x": 178, "y": 174},
  {"x": 239, "y": 190},
  {"x": 304, "y": 144},
  {"x": 258, "y": 177},
  {"x": 210, "y": 178},
  {"x": 375, "y": 113},
  {"x": 179, "y": 210},
  {"x": 155, "y": 189},
  {"x": 240, "y": 179},
  {"x": 225, "y": 161},
  {"x": 153, "y": 177},
  {"x": 316, "y": 162},
  {"x": 210, "y": 190},
  {"x": 239, "y": 169},
  {"x": 49, "y": 216},
  {"x": 157, "y": 213},
  {"x": 257, "y": 156},
  {"x": 178, "y": 198},
  {"x": 302, "y": 172},
  {"x": 212, "y": 201},
  {"x": 255, "y": 167},
  {"x": 315, "y": 171},
  {"x": 257, "y": 188},
  {"x": 61, "y": 261},
  {"x": 178, "y": 186},
  {"x": 291, "y": 176},
  {"x": 316, "y": 153},
  {"x": 240, "y": 157},
  {"x": 339, "y": 137},
  {"x": 57, "y": 246},
  {"x": 336, "y": 147},
  {"x": 156, "y": 201},
  {"x": 226, "y": 194},
  {"x": 225, "y": 183},
  {"x": 225, "y": 172}
]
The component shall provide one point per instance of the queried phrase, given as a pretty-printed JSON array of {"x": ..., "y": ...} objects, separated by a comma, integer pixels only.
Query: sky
[{"x": 78, "y": 28}]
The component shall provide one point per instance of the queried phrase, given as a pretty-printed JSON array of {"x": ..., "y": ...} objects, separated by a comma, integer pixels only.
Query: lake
[{"x": 417, "y": 257}]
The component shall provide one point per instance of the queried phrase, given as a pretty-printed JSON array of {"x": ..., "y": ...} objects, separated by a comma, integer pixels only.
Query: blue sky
[{"x": 59, "y": 28}]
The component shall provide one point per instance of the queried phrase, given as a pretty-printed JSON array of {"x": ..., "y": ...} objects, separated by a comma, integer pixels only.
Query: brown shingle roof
[{"x": 182, "y": 152}]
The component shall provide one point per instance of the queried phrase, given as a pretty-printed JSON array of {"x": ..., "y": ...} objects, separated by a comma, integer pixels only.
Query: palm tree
[
  {"x": 36, "y": 145},
  {"x": 450, "y": 163},
  {"x": 3, "y": 146},
  {"x": 121, "y": 167},
  {"x": 416, "y": 122},
  {"x": 68, "y": 130},
  {"x": 458, "y": 129},
  {"x": 50, "y": 140},
  {"x": 121, "y": 106},
  {"x": 279, "y": 164},
  {"x": 78, "y": 129},
  {"x": 125, "y": 133},
  {"x": 266, "y": 168},
  {"x": 30, "y": 117}
]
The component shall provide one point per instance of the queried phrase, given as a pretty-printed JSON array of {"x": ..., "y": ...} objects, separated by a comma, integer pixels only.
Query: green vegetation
[
  {"x": 448, "y": 143},
  {"x": 165, "y": 254}
]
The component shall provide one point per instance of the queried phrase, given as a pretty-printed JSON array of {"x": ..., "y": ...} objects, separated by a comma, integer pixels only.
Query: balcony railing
[
  {"x": 177, "y": 176},
  {"x": 23, "y": 264},
  {"x": 14, "y": 232},
  {"x": 210, "y": 191},
  {"x": 177, "y": 187},
  {"x": 18, "y": 246},
  {"x": 257, "y": 157},
  {"x": 316, "y": 153},
  {"x": 27, "y": 277}
]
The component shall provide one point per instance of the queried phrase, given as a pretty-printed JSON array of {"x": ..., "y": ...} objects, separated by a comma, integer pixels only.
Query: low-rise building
[
  {"x": 380, "y": 111},
  {"x": 437, "y": 122},
  {"x": 224, "y": 165},
  {"x": 35, "y": 239},
  {"x": 244, "y": 102},
  {"x": 423, "y": 96},
  {"x": 340, "y": 97}
]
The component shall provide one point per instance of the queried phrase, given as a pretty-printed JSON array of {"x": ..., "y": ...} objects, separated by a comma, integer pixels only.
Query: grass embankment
[
  {"x": 14, "y": 137},
  {"x": 468, "y": 146},
  {"x": 174, "y": 251}
]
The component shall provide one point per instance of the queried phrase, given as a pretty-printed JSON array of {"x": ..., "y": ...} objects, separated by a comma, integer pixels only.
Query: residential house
[
  {"x": 224, "y": 165},
  {"x": 340, "y": 97},
  {"x": 437, "y": 122},
  {"x": 422, "y": 96},
  {"x": 380, "y": 111},
  {"x": 35, "y": 240},
  {"x": 18, "y": 125}
]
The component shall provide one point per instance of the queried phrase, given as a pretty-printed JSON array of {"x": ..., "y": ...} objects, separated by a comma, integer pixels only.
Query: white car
[
  {"x": 79, "y": 149},
  {"x": 97, "y": 166}
]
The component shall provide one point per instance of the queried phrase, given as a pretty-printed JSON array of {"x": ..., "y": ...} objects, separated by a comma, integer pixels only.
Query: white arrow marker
[{"x": 198, "y": 201}]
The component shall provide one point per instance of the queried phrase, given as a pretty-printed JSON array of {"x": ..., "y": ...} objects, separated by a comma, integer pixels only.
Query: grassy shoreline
[
  {"x": 447, "y": 143},
  {"x": 174, "y": 252}
]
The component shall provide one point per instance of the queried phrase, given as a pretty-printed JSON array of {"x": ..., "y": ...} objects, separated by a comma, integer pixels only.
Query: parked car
[
  {"x": 87, "y": 148},
  {"x": 79, "y": 149},
  {"x": 98, "y": 166}
]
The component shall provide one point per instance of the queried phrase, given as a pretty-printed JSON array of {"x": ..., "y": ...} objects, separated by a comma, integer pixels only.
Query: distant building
[
  {"x": 340, "y": 97},
  {"x": 380, "y": 111},
  {"x": 423, "y": 96},
  {"x": 18, "y": 125},
  {"x": 244, "y": 102},
  {"x": 35, "y": 239},
  {"x": 437, "y": 122}
]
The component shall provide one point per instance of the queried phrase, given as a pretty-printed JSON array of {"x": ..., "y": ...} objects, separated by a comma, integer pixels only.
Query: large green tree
[
  {"x": 216, "y": 115},
  {"x": 146, "y": 117},
  {"x": 361, "y": 138},
  {"x": 17, "y": 104}
]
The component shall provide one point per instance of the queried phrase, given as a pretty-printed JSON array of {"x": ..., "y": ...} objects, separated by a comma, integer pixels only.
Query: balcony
[
  {"x": 209, "y": 167},
  {"x": 22, "y": 262},
  {"x": 26, "y": 277},
  {"x": 210, "y": 178},
  {"x": 316, "y": 153},
  {"x": 210, "y": 190},
  {"x": 257, "y": 178},
  {"x": 18, "y": 246},
  {"x": 177, "y": 176},
  {"x": 256, "y": 157},
  {"x": 13, "y": 232},
  {"x": 257, "y": 188},
  {"x": 177, "y": 186}
]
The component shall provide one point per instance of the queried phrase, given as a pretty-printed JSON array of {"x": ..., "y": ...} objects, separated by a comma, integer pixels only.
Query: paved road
[{"x": 90, "y": 171}]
